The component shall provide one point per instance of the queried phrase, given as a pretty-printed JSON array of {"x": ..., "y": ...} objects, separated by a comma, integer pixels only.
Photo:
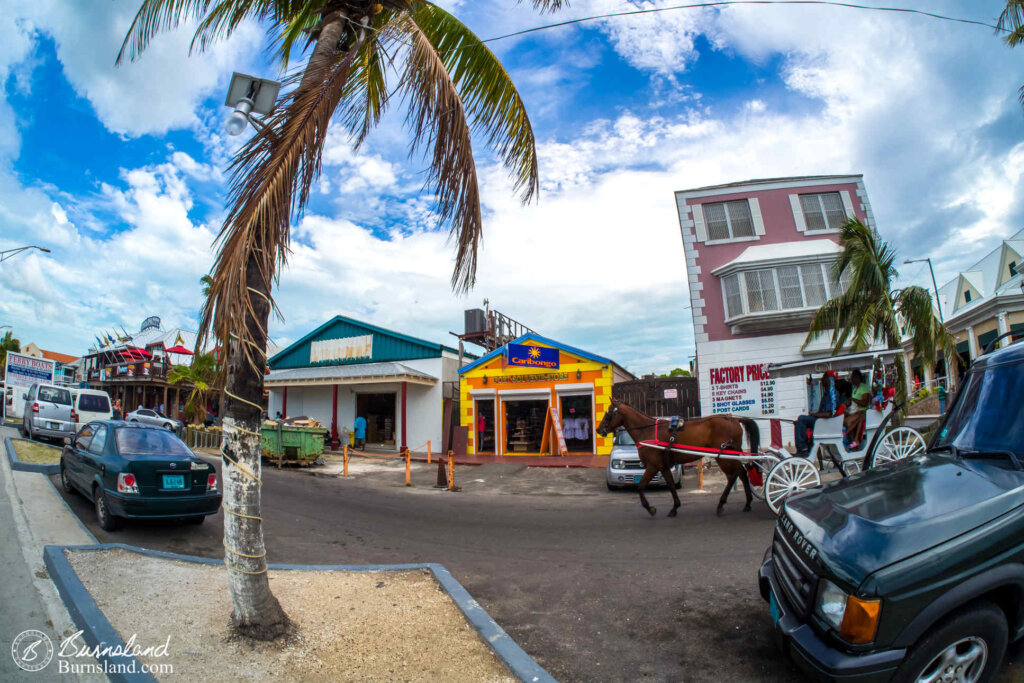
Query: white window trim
[
  {"x": 757, "y": 222},
  {"x": 798, "y": 211}
]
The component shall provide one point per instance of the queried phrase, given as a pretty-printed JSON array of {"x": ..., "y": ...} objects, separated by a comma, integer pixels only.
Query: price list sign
[{"x": 742, "y": 390}]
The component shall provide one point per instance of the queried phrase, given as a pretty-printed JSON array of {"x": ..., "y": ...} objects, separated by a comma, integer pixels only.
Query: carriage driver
[{"x": 805, "y": 423}]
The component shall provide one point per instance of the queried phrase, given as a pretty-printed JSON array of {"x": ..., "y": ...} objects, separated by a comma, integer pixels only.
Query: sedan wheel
[
  {"x": 65, "y": 482},
  {"x": 107, "y": 521}
]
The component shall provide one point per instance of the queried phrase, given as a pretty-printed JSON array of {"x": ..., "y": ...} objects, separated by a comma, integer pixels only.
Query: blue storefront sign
[{"x": 525, "y": 356}]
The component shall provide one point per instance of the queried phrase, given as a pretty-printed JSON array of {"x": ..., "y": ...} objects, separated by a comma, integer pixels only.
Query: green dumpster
[{"x": 290, "y": 444}]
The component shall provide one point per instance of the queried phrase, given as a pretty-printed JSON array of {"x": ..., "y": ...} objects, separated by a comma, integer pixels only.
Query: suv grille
[{"x": 796, "y": 578}]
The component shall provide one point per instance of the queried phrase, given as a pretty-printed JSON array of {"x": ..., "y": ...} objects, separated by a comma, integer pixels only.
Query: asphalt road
[{"x": 582, "y": 578}]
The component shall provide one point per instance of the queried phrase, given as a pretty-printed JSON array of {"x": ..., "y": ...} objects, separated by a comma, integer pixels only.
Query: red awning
[{"x": 179, "y": 349}]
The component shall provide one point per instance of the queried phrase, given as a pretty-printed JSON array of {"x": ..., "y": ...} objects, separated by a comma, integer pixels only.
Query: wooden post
[
  {"x": 284, "y": 402},
  {"x": 346, "y": 460},
  {"x": 408, "y": 472},
  {"x": 428, "y": 452}
]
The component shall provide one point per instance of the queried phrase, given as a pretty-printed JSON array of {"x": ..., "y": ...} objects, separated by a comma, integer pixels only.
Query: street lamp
[
  {"x": 4, "y": 255},
  {"x": 249, "y": 95},
  {"x": 935, "y": 286}
]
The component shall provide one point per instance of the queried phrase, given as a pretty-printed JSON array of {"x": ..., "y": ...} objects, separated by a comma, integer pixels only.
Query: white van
[{"x": 91, "y": 404}]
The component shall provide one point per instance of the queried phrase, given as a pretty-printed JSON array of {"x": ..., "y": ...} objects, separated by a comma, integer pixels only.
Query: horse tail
[{"x": 753, "y": 433}]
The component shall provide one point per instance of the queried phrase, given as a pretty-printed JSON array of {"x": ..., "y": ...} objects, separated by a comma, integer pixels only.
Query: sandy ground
[
  {"x": 33, "y": 452},
  {"x": 353, "y": 626}
]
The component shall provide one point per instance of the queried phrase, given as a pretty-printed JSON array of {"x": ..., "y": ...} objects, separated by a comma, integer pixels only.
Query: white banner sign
[
  {"x": 345, "y": 348},
  {"x": 21, "y": 372},
  {"x": 742, "y": 390}
]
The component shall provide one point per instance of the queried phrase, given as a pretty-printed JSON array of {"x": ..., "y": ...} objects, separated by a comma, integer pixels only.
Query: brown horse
[{"x": 717, "y": 432}]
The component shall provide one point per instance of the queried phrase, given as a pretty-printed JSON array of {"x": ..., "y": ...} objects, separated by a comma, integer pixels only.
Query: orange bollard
[
  {"x": 346, "y": 460},
  {"x": 451, "y": 470},
  {"x": 700, "y": 475},
  {"x": 408, "y": 472},
  {"x": 428, "y": 452}
]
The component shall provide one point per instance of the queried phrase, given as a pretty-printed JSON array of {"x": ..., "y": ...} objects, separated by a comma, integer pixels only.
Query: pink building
[{"x": 758, "y": 257}]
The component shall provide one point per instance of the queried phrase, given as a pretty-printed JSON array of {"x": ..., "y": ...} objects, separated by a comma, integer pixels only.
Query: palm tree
[
  {"x": 1011, "y": 21},
  {"x": 200, "y": 375},
  {"x": 8, "y": 343},
  {"x": 207, "y": 282},
  {"x": 453, "y": 86},
  {"x": 871, "y": 311}
]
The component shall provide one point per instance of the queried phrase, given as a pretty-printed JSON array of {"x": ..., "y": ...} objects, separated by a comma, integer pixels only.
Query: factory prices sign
[
  {"x": 526, "y": 356},
  {"x": 342, "y": 349},
  {"x": 742, "y": 390}
]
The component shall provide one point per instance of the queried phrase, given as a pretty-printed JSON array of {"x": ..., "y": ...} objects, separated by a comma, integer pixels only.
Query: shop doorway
[
  {"x": 379, "y": 411},
  {"x": 485, "y": 428},
  {"x": 577, "y": 414},
  {"x": 524, "y": 425}
]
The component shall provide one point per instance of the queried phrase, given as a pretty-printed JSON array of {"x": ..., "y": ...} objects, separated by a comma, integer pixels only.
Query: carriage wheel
[
  {"x": 786, "y": 478},
  {"x": 758, "y": 491},
  {"x": 897, "y": 444}
]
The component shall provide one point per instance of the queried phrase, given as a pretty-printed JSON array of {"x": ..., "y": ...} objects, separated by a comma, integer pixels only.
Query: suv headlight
[{"x": 856, "y": 619}]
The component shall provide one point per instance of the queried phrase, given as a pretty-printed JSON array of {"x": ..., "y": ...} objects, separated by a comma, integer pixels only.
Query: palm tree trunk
[{"x": 256, "y": 612}]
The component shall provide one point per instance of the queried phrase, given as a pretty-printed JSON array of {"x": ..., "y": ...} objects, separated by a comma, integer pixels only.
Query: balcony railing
[{"x": 131, "y": 372}]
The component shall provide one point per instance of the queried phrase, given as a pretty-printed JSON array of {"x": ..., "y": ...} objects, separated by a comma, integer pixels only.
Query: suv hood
[{"x": 861, "y": 524}]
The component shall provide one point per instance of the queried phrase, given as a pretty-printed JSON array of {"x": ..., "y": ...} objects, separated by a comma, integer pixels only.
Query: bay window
[{"x": 781, "y": 288}]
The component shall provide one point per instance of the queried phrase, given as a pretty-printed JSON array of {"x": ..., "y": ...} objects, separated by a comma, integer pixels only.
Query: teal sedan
[{"x": 130, "y": 470}]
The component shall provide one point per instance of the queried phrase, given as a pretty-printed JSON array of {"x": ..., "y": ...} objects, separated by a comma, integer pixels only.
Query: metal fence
[{"x": 208, "y": 439}]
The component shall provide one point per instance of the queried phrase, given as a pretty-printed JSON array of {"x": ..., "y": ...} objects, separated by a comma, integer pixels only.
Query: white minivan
[{"x": 91, "y": 404}]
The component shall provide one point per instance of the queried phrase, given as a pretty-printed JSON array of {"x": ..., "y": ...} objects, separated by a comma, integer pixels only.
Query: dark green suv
[{"x": 913, "y": 571}]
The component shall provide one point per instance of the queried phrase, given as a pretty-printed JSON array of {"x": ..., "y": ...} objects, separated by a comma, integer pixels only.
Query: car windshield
[
  {"x": 622, "y": 438},
  {"x": 91, "y": 403},
  {"x": 986, "y": 418},
  {"x": 55, "y": 395},
  {"x": 149, "y": 442}
]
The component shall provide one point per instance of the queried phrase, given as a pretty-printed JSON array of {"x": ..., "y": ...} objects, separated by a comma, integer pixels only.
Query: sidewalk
[{"x": 32, "y": 514}]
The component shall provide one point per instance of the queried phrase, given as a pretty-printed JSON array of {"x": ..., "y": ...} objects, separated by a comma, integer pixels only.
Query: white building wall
[
  {"x": 790, "y": 392},
  {"x": 423, "y": 404}
]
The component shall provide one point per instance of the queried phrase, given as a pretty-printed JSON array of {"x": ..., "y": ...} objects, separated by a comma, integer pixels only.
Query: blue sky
[{"x": 121, "y": 171}]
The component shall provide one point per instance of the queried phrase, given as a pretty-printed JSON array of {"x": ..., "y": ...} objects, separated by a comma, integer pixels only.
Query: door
[
  {"x": 379, "y": 411},
  {"x": 577, "y": 414},
  {"x": 73, "y": 455},
  {"x": 485, "y": 429},
  {"x": 92, "y": 457},
  {"x": 524, "y": 425}
]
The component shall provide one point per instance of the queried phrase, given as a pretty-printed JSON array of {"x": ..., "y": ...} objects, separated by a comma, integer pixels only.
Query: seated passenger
[
  {"x": 853, "y": 421},
  {"x": 805, "y": 423}
]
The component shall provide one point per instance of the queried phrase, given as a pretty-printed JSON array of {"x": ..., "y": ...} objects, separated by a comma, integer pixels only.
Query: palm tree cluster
[
  {"x": 871, "y": 310},
  {"x": 364, "y": 56},
  {"x": 200, "y": 375},
  {"x": 8, "y": 343}
]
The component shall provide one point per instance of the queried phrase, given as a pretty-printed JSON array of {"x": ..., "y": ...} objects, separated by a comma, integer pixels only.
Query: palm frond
[
  {"x": 489, "y": 97},
  {"x": 270, "y": 180},
  {"x": 548, "y": 5},
  {"x": 1012, "y": 20},
  {"x": 366, "y": 94},
  {"x": 436, "y": 116}
]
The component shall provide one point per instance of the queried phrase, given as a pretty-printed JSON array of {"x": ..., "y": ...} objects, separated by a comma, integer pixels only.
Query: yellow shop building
[{"x": 536, "y": 396}]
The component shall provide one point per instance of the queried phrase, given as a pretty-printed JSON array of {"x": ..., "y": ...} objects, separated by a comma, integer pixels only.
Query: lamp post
[
  {"x": 4, "y": 255},
  {"x": 934, "y": 286},
  {"x": 249, "y": 95}
]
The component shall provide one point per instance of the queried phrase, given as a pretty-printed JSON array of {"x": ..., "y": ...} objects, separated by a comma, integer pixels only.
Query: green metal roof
[{"x": 388, "y": 345}]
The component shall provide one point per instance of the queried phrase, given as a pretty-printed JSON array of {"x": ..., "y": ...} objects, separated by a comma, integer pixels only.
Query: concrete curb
[
  {"x": 19, "y": 466},
  {"x": 97, "y": 630}
]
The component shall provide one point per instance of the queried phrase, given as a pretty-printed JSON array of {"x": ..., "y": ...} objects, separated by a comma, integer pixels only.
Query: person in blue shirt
[
  {"x": 826, "y": 408},
  {"x": 360, "y": 427}
]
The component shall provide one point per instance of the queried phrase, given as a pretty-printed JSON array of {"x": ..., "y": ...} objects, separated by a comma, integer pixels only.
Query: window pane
[
  {"x": 733, "y": 300},
  {"x": 715, "y": 220},
  {"x": 813, "y": 218},
  {"x": 760, "y": 291},
  {"x": 789, "y": 287},
  {"x": 814, "y": 285},
  {"x": 835, "y": 212},
  {"x": 739, "y": 218},
  {"x": 845, "y": 279}
]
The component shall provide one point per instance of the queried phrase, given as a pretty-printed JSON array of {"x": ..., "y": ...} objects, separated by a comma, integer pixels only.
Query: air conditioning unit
[{"x": 476, "y": 321}]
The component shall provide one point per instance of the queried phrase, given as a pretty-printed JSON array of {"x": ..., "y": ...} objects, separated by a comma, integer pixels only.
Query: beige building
[{"x": 978, "y": 305}]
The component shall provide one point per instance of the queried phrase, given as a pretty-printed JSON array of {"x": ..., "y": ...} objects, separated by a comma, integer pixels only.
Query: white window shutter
[
  {"x": 698, "y": 223},
  {"x": 755, "y": 214},
  {"x": 848, "y": 204},
  {"x": 798, "y": 212}
]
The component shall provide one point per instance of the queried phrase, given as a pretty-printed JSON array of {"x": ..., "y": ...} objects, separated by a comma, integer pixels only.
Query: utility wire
[{"x": 720, "y": 3}]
